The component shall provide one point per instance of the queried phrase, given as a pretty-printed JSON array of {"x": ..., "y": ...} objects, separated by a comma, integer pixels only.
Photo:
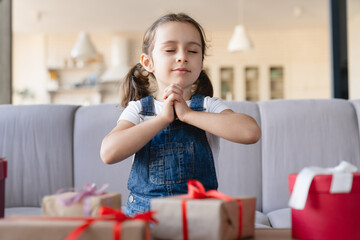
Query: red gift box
[
  {"x": 327, "y": 215},
  {"x": 3, "y": 172}
]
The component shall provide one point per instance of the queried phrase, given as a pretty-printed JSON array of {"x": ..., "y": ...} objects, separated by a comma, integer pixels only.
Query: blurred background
[{"x": 76, "y": 52}]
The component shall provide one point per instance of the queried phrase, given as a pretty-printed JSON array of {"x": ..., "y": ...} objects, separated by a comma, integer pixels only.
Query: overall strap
[
  {"x": 197, "y": 103},
  {"x": 147, "y": 106}
]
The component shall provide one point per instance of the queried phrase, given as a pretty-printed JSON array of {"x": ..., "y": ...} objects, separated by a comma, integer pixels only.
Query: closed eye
[
  {"x": 193, "y": 51},
  {"x": 169, "y": 50}
]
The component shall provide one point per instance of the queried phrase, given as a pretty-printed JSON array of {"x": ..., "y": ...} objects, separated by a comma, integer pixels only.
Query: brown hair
[{"x": 136, "y": 83}]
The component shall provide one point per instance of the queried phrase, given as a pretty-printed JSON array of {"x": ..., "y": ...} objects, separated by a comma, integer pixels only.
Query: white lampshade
[
  {"x": 240, "y": 40},
  {"x": 84, "y": 48},
  {"x": 119, "y": 66}
]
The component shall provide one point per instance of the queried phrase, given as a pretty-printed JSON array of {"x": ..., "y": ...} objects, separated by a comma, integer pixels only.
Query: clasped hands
[{"x": 174, "y": 103}]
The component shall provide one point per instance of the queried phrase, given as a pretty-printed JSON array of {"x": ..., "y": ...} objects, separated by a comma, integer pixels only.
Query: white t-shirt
[{"x": 214, "y": 105}]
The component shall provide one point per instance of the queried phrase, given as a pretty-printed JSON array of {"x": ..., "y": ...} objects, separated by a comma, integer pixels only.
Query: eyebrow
[{"x": 172, "y": 41}]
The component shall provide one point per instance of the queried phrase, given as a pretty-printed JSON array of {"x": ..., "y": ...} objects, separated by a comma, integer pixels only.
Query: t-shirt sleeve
[
  {"x": 215, "y": 105},
  {"x": 131, "y": 112}
]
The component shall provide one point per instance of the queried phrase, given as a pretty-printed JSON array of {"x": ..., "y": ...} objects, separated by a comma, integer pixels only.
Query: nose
[{"x": 181, "y": 57}]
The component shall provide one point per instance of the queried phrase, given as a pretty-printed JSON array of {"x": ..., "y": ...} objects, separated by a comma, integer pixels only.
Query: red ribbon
[
  {"x": 109, "y": 214},
  {"x": 197, "y": 191}
]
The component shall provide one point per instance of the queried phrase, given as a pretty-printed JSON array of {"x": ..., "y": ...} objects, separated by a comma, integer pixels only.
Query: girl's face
[{"x": 176, "y": 57}]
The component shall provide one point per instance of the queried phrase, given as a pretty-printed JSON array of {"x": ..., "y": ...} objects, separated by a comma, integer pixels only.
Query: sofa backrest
[
  {"x": 37, "y": 143},
  {"x": 301, "y": 133},
  {"x": 239, "y": 166},
  {"x": 356, "y": 104},
  {"x": 92, "y": 123}
]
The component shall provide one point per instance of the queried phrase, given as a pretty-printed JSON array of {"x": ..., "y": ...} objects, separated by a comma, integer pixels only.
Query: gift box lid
[
  {"x": 322, "y": 182},
  {"x": 3, "y": 169}
]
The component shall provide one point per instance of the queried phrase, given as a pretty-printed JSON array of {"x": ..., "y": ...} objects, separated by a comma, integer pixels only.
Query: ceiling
[{"x": 71, "y": 16}]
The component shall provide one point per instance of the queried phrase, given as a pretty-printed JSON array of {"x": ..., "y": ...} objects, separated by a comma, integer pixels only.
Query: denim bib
[{"x": 178, "y": 153}]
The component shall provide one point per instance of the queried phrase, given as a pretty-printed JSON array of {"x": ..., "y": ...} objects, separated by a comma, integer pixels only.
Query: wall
[
  {"x": 304, "y": 54},
  {"x": 354, "y": 57},
  {"x": 29, "y": 69}
]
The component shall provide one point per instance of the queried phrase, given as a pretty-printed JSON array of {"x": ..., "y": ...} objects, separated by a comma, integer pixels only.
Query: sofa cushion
[
  {"x": 37, "y": 143},
  {"x": 23, "y": 211},
  {"x": 92, "y": 123},
  {"x": 301, "y": 133},
  {"x": 280, "y": 218},
  {"x": 239, "y": 166},
  {"x": 261, "y": 220}
]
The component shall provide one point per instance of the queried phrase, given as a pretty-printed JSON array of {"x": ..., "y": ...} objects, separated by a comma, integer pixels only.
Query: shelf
[
  {"x": 86, "y": 67},
  {"x": 77, "y": 90},
  {"x": 76, "y": 85}
]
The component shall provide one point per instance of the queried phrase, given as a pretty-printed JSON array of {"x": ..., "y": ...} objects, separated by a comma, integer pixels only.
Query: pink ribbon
[{"x": 84, "y": 194}]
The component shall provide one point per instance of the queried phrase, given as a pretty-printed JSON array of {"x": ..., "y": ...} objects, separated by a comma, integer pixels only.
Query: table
[{"x": 272, "y": 234}]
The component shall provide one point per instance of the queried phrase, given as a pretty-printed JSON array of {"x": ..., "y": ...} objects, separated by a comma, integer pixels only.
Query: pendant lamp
[
  {"x": 240, "y": 40},
  {"x": 84, "y": 49}
]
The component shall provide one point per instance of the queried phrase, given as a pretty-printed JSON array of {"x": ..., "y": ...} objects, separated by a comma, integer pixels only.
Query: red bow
[
  {"x": 109, "y": 214},
  {"x": 197, "y": 191}
]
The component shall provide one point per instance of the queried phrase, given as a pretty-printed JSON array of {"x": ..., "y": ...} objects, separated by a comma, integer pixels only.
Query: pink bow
[{"x": 83, "y": 194}]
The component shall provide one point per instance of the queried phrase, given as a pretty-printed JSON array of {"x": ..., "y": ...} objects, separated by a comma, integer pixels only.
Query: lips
[{"x": 181, "y": 70}]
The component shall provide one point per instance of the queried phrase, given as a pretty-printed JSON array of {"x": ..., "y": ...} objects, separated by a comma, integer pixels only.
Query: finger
[
  {"x": 169, "y": 99},
  {"x": 167, "y": 93},
  {"x": 173, "y": 88},
  {"x": 175, "y": 85},
  {"x": 173, "y": 97},
  {"x": 176, "y": 88}
]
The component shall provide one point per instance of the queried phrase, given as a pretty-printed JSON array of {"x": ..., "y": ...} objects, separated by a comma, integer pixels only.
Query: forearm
[
  {"x": 122, "y": 143},
  {"x": 235, "y": 127}
]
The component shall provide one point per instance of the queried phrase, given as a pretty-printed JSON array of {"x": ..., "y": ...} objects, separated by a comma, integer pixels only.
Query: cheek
[
  {"x": 200, "y": 65},
  {"x": 158, "y": 60}
]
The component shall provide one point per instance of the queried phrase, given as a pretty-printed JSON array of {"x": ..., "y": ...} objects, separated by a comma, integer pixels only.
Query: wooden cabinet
[
  {"x": 251, "y": 83},
  {"x": 227, "y": 83},
  {"x": 276, "y": 82}
]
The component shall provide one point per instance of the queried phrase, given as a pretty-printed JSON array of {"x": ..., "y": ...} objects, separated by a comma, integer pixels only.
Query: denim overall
[{"x": 178, "y": 153}]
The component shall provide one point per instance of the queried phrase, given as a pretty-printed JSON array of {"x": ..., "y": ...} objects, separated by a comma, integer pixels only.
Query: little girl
[{"x": 166, "y": 128}]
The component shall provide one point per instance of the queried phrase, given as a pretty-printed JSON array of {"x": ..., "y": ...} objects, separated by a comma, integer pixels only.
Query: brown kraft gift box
[
  {"x": 211, "y": 219},
  {"x": 51, "y": 206},
  {"x": 41, "y": 228}
]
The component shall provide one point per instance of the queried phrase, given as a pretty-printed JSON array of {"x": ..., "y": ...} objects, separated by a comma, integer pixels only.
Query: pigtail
[
  {"x": 203, "y": 85},
  {"x": 135, "y": 85}
]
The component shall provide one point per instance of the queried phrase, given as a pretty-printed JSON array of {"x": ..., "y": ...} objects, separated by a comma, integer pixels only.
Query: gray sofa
[{"x": 49, "y": 147}]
